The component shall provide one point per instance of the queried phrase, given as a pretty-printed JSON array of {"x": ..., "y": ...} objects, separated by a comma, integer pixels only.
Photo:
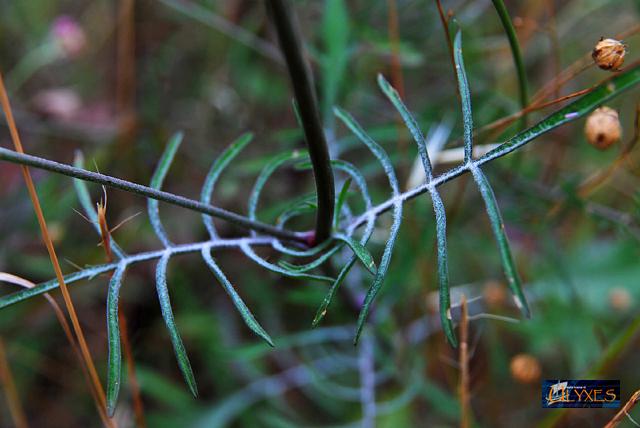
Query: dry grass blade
[
  {"x": 13, "y": 279},
  {"x": 86, "y": 355},
  {"x": 6, "y": 379},
  {"x": 624, "y": 411},
  {"x": 465, "y": 420},
  {"x": 126, "y": 69},
  {"x": 138, "y": 407}
]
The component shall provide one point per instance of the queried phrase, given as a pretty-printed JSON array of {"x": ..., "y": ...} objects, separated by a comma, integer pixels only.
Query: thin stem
[
  {"x": 9, "y": 386},
  {"x": 619, "y": 417},
  {"x": 301, "y": 80},
  {"x": 33, "y": 195},
  {"x": 116, "y": 183},
  {"x": 515, "y": 51},
  {"x": 129, "y": 260},
  {"x": 569, "y": 113},
  {"x": 447, "y": 36},
  {"x": 465, "y": 421}
]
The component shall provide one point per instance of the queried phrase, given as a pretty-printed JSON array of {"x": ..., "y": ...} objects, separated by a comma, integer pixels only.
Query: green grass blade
[
  {"x": 156, "y": 183},
  {"x": 510, "y": 271},
  {"x": 465, "y": 97},
  {"x": 384, "y": 160},
  {"x": 242, "y": 308},
  {"x": 165, "y": 307},
  {"x": 248, "y": 251},
  {"x": 409, "y": 121},
  {"x": 114, "y": 365},
  {"x": 88, "y": 207},
  {"x": 218, "y": 166},
  {"x": 342, "y": 198},
  {"x": 360, "y": 251},
  {"x": 503, "y": 13},
  {"x": 335, "y": 35},
  {"x": 443, "y": 269}
]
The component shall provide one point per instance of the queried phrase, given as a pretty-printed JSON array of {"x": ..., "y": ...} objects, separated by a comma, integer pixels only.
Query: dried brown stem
[
  {"x": 86, "y": 354},
  {"x": 13, "y": 399},
  {"x": 619, "y": 417},
  {"x": 465, "y": 420},
  {"x": 13, "y": 279}
]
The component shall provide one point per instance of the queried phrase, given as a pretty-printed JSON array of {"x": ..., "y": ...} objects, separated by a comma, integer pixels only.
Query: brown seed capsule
[
  {"x": 602, "y": 128},
  {"x": 608, "y": 54},
  {"x": 525, "y": 368}
]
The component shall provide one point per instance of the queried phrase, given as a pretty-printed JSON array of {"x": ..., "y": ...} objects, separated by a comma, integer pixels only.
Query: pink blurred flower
[
  {"x": 59, "y": 103},
  {"x": 70, "y": 35}
]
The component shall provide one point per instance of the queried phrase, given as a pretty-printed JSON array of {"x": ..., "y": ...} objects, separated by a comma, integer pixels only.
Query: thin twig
[
  {"x": 116, "y": 183},
  {"x": 6, "y": 379},
  {"x": 86, "y": 354},
  {"x": 126, "y": 69},
  {"x": 128, "y": 260},
  {"x": 138, "y": 407},
  {"x": 301, "y": 80},
  {"x": 66, "y": 328},
  {"x": 581, "y": 64},
  {"x": 447, "y": 36},
  {"x": 619, "y": 417},
  {"x": 562, "y": 116},
  {"x": 465, "y": 418},
  {"x": 396, "y": 69},
  {"x": 105, "y": 233}
]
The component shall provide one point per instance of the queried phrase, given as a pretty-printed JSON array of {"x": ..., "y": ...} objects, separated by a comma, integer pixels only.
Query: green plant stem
[
  {"x": 571, "y": 112},
  {"x": 503, "y": 13},
  {"x": 117, "y": 183},
  {"x": 579, "y": 108},
  {"x": 131, "y": 259},
  {"x": 301, "y": 80}
]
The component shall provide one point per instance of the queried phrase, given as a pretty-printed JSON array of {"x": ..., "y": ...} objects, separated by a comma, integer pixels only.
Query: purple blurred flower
[{"x": 69, "y": 34}]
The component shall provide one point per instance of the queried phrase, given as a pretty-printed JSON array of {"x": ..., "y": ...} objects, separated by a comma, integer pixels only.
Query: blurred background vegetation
[{"x": 116, "y": 79}]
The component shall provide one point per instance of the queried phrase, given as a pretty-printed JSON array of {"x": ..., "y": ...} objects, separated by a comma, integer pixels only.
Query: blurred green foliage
[{"x": 195, "y": 70}]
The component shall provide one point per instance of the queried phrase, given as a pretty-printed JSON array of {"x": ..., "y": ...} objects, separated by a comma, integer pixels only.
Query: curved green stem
[
  {"x": 515, "y": 51},
  {"x": 301, "y": 81}
]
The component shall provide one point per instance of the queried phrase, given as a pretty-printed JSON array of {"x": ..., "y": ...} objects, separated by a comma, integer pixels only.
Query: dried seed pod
[
  {"x": 525, "y": 368},
  {"x": 608, "y": 54},
  {"x": 602, "y": 128}
]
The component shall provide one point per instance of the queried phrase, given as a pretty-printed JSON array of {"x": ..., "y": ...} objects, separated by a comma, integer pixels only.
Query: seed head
[
  {"x": 608, "y": 54},
  {"x": 602, "y": 128}
]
